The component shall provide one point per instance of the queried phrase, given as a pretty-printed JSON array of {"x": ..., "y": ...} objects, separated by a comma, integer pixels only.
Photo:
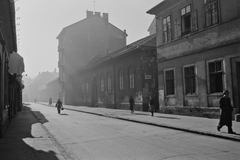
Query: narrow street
[{"x": 79, "y": 135}]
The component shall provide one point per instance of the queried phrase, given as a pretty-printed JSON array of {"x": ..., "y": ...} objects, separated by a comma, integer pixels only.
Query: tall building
[
  {"x": 83, "y": 41},
  {"x": 198, "y": 47}
]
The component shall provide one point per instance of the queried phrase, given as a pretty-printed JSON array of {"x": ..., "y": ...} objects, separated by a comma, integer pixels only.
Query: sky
[{"x": 40, "y": 21}]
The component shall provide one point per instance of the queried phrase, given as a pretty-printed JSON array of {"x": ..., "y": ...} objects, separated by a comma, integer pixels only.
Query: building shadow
[{"x": 18, "y": 142}]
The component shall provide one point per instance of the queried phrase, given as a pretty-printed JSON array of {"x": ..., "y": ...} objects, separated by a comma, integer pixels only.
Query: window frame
[
  {"x": 131, "y": 78},
  {"x": 102, "y": 83},
  {"x": 109, "y": 82},
  {"x": 207, "y": 3},
  {"x": 223, "y": 76},
  {"x": 183, "y": 19},
  {"x": 192, "y": 76},
  {"x": 166, "y": 84},
  {"x": 166, "y": 28},
  {"x": 121, "y": 80}
]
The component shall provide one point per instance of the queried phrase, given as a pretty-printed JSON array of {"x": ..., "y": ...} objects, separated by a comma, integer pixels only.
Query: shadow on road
[
  {"x": 14, "y": 143},
  {"x": 64, "y": 114}
]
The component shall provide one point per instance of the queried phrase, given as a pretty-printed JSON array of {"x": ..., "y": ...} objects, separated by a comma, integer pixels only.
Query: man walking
[{"x": 226, "y": 113}]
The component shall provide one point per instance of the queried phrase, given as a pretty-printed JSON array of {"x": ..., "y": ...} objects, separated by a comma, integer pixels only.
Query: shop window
[
  {"x": 169, "y": 81},
  {"x": 215, "y": 76},
  {"x": 190, "y": 80}
]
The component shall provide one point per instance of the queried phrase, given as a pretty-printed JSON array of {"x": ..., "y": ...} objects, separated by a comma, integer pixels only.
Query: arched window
[
  {"x": 109, "y": 82},
  {"x": 102, "y": 83},
  {"x": 87, "y": 86},
  {"x": 131, "y": 78},
  {"x": 121, "y": 80}
]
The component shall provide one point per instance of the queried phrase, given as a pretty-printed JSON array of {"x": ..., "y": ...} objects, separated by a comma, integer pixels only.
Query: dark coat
[
  {"x": 226, "y": 112},
  {"x": 131, "y": 102}
]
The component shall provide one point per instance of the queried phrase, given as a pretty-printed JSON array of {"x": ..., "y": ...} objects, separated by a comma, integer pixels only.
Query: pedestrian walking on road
[
  {"x": 226, "y": 113},
  {"x": 59, "y": 106},
  {"x": 132, "y": 103},
  {"x": 152, "y": 105}
]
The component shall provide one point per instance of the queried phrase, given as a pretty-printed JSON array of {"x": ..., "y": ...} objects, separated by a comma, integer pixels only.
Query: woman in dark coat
[{"x": 226, "y": 113}]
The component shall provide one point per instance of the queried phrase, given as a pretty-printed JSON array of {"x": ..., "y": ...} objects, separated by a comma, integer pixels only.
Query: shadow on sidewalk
[{"x": 19, "y": 143}]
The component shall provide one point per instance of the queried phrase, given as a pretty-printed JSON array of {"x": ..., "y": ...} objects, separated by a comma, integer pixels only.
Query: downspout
[{"x": 115, "y": 89}]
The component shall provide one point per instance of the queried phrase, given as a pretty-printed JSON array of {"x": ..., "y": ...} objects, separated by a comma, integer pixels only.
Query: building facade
[
  {"x": 198, "y": 50},
  {"x": 109, "y": 81},
  {"x": 8, "y": 46},
  {"x": 83, "y": 41}
]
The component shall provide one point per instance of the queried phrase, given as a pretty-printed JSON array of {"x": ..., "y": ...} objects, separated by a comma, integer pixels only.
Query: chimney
[
  {"x": 89, "y": 14},
  {"x": 98, "y": 14},
  {"x": 105, "y": 16}
]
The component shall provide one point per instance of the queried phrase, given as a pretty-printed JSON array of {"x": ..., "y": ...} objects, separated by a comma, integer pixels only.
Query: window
[
  {"x": 87, "y": 87},
  {"x": 211, "y": 12},
  {"x": 109, "y": 82},
  {"x": 131, "y": 78},
  {"x": 169, "y": 82},
  {"x": 190, "y": 80},
  {"x": 82, "y": 87},
  {"x": 102, "y": 83},
  {"x": 216, "y": 76},
  {"x": 167, "y": 29},
  {"x": 121, "y": 80},
  {"x": 186, "y": 19}
]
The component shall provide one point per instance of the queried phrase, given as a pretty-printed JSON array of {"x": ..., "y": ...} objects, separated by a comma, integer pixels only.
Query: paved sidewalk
[
  {"x": 204, "y": 126},
  {"x": 27, "y": 139}
]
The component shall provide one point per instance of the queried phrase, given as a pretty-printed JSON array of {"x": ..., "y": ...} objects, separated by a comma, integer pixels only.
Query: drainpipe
[{"x": 115, "y": 88}]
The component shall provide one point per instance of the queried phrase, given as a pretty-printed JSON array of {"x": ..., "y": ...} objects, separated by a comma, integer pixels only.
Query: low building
[
  {"x": 108, "y": 81},
  {"x": 198, "y": 50}
]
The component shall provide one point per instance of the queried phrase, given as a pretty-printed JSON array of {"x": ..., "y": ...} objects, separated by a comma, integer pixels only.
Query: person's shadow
[{"x": 18, "y": 141}]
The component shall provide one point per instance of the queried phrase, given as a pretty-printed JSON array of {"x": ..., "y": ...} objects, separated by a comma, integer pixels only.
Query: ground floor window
[
  {"x": 189, "y": 80},
  {"x": 169, "y": 82},
  {"x": 215, "y": 69}
]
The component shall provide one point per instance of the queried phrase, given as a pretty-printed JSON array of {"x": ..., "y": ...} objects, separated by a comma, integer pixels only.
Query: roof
[
  {"x": 162, "y": 5},
  {"x": 82, "y": 21},
  {"x": 146, "y": 42}
]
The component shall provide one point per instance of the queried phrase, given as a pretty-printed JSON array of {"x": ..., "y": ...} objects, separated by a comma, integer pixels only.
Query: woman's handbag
[{"x": 62, "y": 108}]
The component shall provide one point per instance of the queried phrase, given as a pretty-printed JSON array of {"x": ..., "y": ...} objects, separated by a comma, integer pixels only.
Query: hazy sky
[{"x": 42, "y": 20}]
